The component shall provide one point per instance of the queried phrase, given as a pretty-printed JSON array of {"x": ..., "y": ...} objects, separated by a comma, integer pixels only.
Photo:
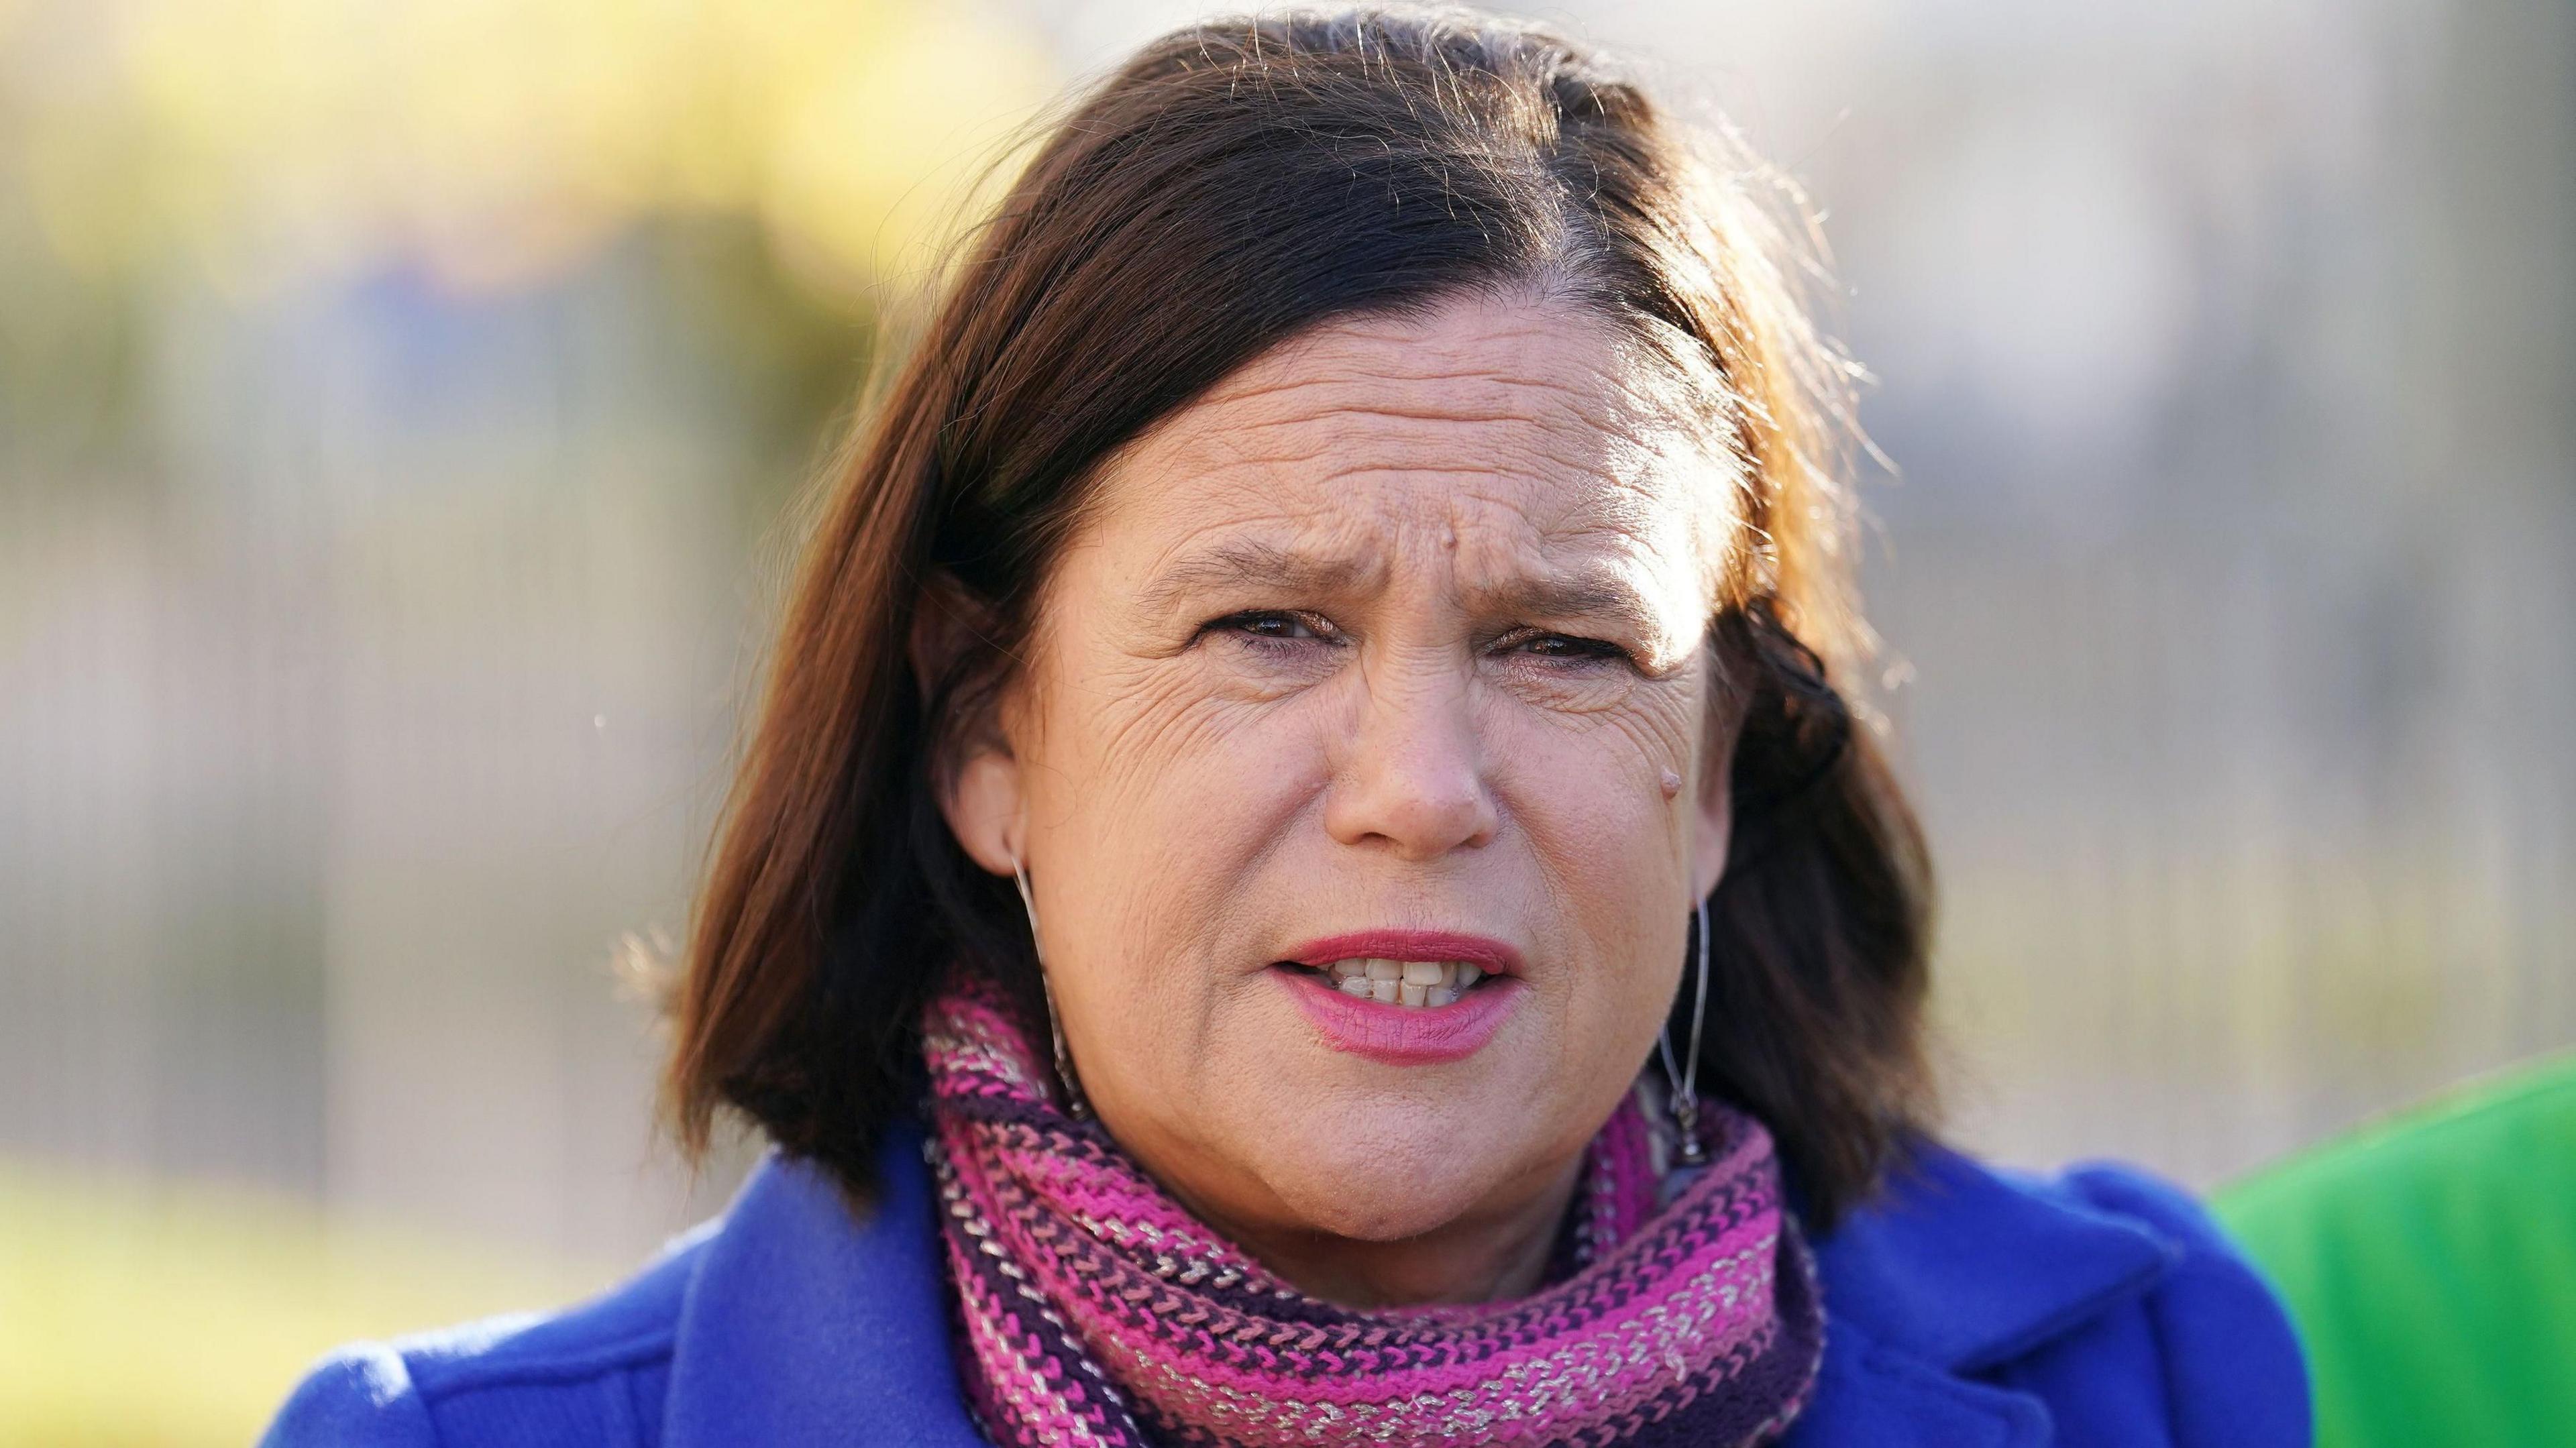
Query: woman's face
[{"x": 1391, "y": 649}]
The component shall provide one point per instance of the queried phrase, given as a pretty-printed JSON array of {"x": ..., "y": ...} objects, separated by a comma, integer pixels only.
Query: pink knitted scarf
[{"x": 1094, "y": 1309}]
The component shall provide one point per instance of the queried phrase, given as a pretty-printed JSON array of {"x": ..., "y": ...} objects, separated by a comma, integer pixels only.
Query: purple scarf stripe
[{"x": 1092, "y": 1309}]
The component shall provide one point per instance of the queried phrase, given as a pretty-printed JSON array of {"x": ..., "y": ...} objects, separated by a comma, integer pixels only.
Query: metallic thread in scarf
[{"x": 1095, "y": 1310}]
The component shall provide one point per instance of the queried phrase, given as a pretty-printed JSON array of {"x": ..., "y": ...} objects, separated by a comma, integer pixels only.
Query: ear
[
  {"x": 979, "y": 791},
  {"x": 1711, "y": 830},
  {"x": 1713, "y": 818},
  {"x": 985, "y": 810}
]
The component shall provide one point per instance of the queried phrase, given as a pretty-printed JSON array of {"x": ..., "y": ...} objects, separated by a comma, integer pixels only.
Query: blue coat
[{"x": 1968, "y": 1308}]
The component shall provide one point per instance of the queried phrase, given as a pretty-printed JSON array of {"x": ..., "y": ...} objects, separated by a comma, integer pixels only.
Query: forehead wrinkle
[
  {"x": 1537, "y": 473},
  {"x": 1561, "y": 445},
  {"x": 1623, "y": 496},
  {"x": 1446, "y": 397},
  {"x": 1324, "y": 399},
  {"x": 1420, "y": 352},
  {"x": 1610, "y": 429},
  {"x": 1347, "y": 530},
  {"x": 1591, "y": 470},
  {"x": 1637, "y": 378}
]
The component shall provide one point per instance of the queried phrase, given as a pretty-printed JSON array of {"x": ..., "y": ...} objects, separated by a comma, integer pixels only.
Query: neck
[{"x": 1487, "y": 1256}]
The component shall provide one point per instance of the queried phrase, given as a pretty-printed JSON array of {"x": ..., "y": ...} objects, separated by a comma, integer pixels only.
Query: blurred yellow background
[{"x": 401, "y": 406}]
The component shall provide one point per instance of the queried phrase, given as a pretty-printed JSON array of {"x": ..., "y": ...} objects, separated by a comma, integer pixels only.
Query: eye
[
  {"x": 1558, "y": 648},
  {"x": 1272, "y": 625},
  {"x": 1276, "y": 629}
]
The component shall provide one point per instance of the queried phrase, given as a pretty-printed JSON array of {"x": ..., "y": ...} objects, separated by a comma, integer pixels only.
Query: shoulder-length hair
[{"x": 1234, "y": 185}]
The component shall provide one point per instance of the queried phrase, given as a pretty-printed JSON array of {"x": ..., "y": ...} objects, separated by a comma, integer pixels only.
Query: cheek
[
  {"x": 1588, "y": 788},
  {"x": 1614, "y": 856},
  {"x": 1178, "y": 785},
  {"x": 1155, "y": 810}
]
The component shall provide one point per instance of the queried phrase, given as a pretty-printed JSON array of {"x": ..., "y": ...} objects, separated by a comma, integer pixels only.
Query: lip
[
  {"x": 1407, "y": 1035},
  {"x": 1487, "y": 954}
]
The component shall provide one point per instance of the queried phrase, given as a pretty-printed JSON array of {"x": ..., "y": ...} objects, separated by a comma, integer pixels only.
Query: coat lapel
[
  {"x": 1871, "y": 1394},
  {"x": 805, "y": 1325},
  {"x": 1957, "y": 1269}
]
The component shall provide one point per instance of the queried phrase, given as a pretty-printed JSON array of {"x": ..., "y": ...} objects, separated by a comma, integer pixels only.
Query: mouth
[
  {"x": 1405, "y": 997},
  {"x": 1410, "y": 984}
]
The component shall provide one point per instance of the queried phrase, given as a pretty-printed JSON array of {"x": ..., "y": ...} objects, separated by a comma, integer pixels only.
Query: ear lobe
[{"x": 984, "y": 809}]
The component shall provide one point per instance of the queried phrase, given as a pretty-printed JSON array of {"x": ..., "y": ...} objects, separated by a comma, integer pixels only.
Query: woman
[{"x": 1304, "y": 876}]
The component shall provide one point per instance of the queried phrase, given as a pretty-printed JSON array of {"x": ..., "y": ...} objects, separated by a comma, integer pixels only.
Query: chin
[{"x": 1396, "y": 1172}]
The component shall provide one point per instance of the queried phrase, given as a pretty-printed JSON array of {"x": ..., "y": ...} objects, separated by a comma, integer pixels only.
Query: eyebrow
[
  {"x": 1236, "y": 564},
  {"x": 1585, "y": 594},
  {"x": 1579, "y": 594}
]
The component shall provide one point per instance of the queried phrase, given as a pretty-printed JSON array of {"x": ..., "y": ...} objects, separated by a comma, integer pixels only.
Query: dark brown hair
[{"x": 1234, "y": 185}]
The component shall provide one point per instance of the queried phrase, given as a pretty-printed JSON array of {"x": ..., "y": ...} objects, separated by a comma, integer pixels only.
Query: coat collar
[
  {"x": 806, "y": 1323},
  {"x": 1956, "y": 1269},
  {"x": 1967, "y": 1266}
]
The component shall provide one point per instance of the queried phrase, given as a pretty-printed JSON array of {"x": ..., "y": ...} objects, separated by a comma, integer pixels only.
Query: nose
[{"x": 1411, "y": 777}]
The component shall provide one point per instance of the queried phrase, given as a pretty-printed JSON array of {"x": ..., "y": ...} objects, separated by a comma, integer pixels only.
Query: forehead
[{"x": 1493, "y": 427}]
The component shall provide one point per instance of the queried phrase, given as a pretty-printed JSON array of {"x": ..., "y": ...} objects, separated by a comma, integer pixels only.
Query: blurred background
[{"x": 401, "y": 404}]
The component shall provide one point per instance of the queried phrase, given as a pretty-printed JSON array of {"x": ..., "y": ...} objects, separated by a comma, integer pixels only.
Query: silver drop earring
[
  {"x": 1689, "y": 1152},
  {"x": 1075, "y": 1105}
]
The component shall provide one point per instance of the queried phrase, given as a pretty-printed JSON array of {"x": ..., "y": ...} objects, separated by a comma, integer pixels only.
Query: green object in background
[{"x": 2430, "y": 1262}]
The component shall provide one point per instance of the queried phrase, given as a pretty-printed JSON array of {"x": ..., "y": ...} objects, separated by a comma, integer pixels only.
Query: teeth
[{"x": 1423, "y": 983}]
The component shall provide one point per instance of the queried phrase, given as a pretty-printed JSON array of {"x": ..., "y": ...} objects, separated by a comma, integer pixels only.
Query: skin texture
[{"x": 1401, "y": 626}]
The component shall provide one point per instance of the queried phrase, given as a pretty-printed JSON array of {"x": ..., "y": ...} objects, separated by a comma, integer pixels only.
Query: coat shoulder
[
  {"x": 2227, "y": 1356},
  {"x": 2100, "y": 1305},
  {"x": 592, "y": 1373}
]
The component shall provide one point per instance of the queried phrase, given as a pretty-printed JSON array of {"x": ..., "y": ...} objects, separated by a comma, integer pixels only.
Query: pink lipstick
[{"x": 1406, "y": 1035}]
